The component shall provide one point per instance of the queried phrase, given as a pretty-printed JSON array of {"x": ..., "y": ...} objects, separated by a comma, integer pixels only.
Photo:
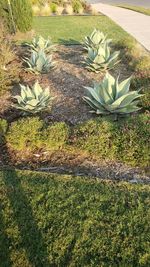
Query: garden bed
[
  {"x": 66, "y": 83},
  {"x": 68, "y": 138}
]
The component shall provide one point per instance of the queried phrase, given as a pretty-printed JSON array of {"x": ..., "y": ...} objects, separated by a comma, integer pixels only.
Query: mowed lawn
[
  {"x": 73, "y": 29},
  {"x": 49, "y": 220}
]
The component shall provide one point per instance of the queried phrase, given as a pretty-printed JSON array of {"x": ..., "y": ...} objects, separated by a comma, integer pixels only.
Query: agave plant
[
  {"x": 33, "y": 100},
  {"x": 110, "y": 97},
  {"x": 101, "y": 59},
  {"x": 39, "y": 43},
  {"x": 95, "y": 40},
  {"x": 39, "y": 62}
]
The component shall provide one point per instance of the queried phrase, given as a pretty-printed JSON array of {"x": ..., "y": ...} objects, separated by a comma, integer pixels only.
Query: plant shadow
[
  {"x": 68, "y": 42},
  {"x": 31, "y": 237}
]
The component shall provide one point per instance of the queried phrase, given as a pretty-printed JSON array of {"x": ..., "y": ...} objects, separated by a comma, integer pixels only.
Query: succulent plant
[
  {"x": 39, "y": 62},
  {"x": 110, "y": 97},
  {"x": 33, "y": 100},
  {"x": 95, "y": 40},
  {"x": 39, "y": 43},
  {"x": 101, "y": 59}
]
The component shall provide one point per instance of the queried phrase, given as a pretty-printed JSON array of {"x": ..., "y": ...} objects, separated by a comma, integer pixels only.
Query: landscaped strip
[
  {"x": 61, "y": 220},
  {"x": 139, "y": 9}
]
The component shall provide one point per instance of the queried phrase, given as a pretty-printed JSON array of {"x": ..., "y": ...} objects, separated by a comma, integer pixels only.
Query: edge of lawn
[{"x": 139, "y": 9}]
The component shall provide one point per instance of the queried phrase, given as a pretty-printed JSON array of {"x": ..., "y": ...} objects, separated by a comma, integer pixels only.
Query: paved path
[
  {"x": 136, "y": 24},
  {"x": 143, "y": 3}
]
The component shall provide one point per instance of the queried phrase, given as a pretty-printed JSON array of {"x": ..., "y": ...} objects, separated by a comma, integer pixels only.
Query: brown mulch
[{"x": 66, "y": 83}]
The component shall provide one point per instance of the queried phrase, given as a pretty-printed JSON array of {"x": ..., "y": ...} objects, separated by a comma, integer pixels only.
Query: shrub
[
  {"x": 125, "y": 141},
  {"x": 68, "y": 10},
  {"x": 77, "y": 6},
  {"x": 45, "y": 10},
  {"x": 53, "y": 7},
  {"x": 29, "y": 134},
  {"x": 21, "y": 13},
  {"x": 3, "y": 129},
  {"x": 36, "y": 10}
]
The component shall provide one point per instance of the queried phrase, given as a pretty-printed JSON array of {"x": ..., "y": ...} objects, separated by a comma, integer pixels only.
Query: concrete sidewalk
[
  {"x": 136, "y": 24},
  {"x": 143, "y": 3}
]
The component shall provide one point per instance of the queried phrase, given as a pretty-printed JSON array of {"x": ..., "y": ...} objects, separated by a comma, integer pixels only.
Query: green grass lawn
[
  {"x": 139, "y": 9},
  {"x": 72, "y": 29},
  {"x": 49, "y": 220}
]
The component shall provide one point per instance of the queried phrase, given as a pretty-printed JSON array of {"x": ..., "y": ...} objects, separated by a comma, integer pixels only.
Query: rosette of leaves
[
  {"x": 96, "y": 39},
  {"x": 101, "y": 59},
  {"x": 39, "y": 43},
  {"x": 33, "y": 100},
  {"x": 112, "y": 97},
  {"x": 39, "y": 62}
]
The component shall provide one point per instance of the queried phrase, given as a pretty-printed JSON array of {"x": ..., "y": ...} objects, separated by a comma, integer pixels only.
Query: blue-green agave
[
  {"x": 101, "y": 59},
  {"x": 39, "y": 62},
  {"x": 112, "y": 97},
  {"x": 96, "y": 39},
  {"x": 39, "y": 43},
  {"x": 33, "y": 100}
]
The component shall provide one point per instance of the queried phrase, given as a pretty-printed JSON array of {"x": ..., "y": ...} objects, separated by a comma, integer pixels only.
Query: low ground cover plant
[
  {"x": 126, "y": 141},
  {"x": 31, "y": 134},
  {"x": 3, "y": 129}
]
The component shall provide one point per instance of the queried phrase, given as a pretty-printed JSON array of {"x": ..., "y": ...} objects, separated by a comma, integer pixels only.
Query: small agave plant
[
  {"x": 101, "y": 59},
  {"x": 110, "y": 97},
  {"x": 95, "y": 40},
  {"x": 33, "y": 100},
  {"x": 39, "y": 43},
  {"x": 39, "y": 62}
]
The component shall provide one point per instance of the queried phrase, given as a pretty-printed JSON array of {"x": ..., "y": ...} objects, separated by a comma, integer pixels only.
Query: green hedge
[{"x": 59, "y": 220}]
